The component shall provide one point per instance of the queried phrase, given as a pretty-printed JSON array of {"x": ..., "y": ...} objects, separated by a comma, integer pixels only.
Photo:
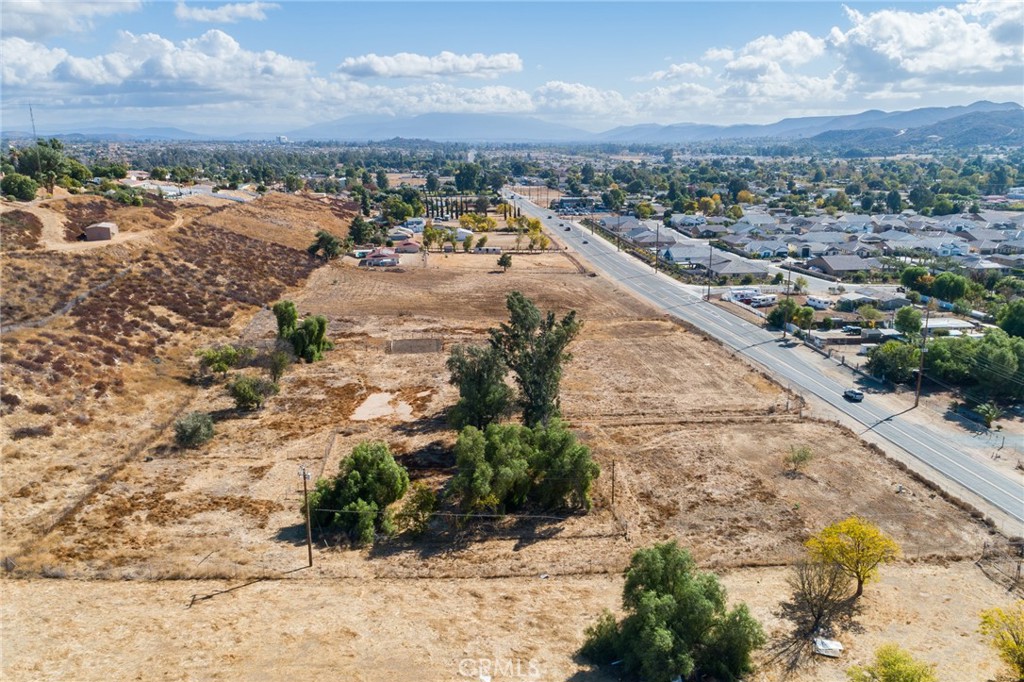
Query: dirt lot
[{"x": 129, "y": 527}]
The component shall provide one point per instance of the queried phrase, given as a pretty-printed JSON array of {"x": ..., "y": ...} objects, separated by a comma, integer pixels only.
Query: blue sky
[{"x": 278, "y": 66}]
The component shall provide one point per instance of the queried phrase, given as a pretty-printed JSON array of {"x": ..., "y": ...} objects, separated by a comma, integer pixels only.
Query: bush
[
  {"x": 250, "y": 392},
  {"x": 356, "y": 501},
  {"x": 417, "y": 510},
  {"x": 508, "y": 464},
  {"x": 193, "y": 430},
  {"x": 602, "y": 640},
  {"x": 677, "y": 624},
  {"x": 18, "y": 186}
]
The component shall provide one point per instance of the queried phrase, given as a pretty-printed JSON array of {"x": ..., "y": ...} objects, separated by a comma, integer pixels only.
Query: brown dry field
[{"x": 126, "y": 527}]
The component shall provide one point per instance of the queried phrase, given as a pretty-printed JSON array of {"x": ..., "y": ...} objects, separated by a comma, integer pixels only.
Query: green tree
[
  {"x": 327, "y": 244},
  {"x": 800, "y": 283},
  {"x": 381, "y": 178},
  {"x": 433, "y": 183},
  {"x": 534, "y": 348},
  {"x": 893, "y": 201},
  {"x": 361, "y": 231},
  {"x": 894, "y": 360},
  {"x": 287, "y": 319},
  {"x": 783, "y": 313},
  {"x": 804, "y": 317},
  {"x": 414, "y": 517},
  {"x": 21, "y": 187},
  {"x": 677, "y": 624},
  {"x": 506, "y": 465},
  {"x": 505, "y": 261},
  {"x": 857, "y": 545},
  {"x": 357, "y": 500},
  {"x": 996, "y": 360},
  {"x": 293, "y": 182},
  {"x": 893, "y": 664},
  {"x": 250, "y": 392},
  {"x": 908, "y": 321},
  {"x": 561, "y": 468},
  {"x": 278, "y": 363},
  {"x": 911, "y": 278},
  {"x": 949, "y": 287},
  {"x": 869, "y": 313},
  {"x": 220, "y": 359},
  {"x": 1004, "y": 628},
  {"x": 484, "y": 397},
  {"x": 1011, "y": 318},
  {"x": 309, "y": 340},
  {"x": 193, "y": 430}
]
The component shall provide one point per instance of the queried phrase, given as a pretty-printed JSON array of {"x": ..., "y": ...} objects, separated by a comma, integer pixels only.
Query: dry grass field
[{"x": 103, "y": 512}]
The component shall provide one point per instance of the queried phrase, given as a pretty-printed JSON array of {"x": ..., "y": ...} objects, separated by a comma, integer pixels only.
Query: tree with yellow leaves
[
  {"x": 857, "y": 545},
  {"x": 893, "y": 664},
  {"x": 1005, "y": 630},
  {"x": 477, "y": 222}
]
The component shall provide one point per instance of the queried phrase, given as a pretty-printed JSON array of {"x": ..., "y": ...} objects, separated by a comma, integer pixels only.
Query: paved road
[{"x": 1004, "y": 492}]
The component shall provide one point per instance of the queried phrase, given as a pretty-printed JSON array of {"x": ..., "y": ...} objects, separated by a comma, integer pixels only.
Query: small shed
[{"x": 98, "y": 232}]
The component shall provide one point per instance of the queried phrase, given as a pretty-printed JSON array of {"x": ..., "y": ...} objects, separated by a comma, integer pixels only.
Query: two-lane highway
[{"x": 1003, "y": 492}]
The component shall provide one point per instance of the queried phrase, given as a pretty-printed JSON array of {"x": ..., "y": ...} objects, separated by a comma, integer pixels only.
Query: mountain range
[{"x": 956, "y": 126}]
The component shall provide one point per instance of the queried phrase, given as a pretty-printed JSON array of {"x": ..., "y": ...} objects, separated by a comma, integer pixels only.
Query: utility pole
[
  {"x": 309, "y": 527},
  {"x": 924, "y": 349}
]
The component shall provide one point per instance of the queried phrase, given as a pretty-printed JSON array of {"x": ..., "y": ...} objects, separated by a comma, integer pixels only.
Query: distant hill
[
  {"x": 968, "y": 130},
  {"x": 444, "y": 127},
  {"x": 947, "y": 127},
  {"x": 801, "y": 128}
]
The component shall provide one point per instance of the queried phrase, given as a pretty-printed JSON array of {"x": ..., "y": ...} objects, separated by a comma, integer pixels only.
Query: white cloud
[
  {"x": 148, "y": 69},
  {"x": 677, "y": 71},
  {"x": 225, "y": 14},
  {"x": 794, "y": 48},
  {"x": 942, "y": 44},
  {"x": 717, "y": 54},
  {"x": 35, "y": 19},
  {"x": 409, "y": 65},
  {"x": 577, "y": 99}
]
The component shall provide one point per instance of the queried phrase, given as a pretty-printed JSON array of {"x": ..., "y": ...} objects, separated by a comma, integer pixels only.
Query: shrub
[
  {"x": 193, "y": 430},
  {"x": 677, "y": 624},
  {"x": 893, "y": 664},
  {"x": 1004, "y": 629},
  {"x": 417, "y": 510},
  {"x": 356, "y": 501},
  {"x": 798, "y": 457},
  {"x": 250, "y": 392}
]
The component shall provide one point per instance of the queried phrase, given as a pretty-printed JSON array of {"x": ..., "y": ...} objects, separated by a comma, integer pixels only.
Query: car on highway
[
  {"x": 567, "y": 228},
  {"x": 585, "y": 241},
  {"x": 853, "y": 395}
]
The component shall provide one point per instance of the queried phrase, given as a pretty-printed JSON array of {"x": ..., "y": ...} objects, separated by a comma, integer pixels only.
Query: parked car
[{"x": 853, "y": 395}]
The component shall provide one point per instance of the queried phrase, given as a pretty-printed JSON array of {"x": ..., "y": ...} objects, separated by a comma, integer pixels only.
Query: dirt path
[{"x": 52, "y": 238}]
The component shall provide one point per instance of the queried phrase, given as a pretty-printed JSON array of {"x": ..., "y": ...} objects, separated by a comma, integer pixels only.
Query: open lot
[{"x": 130, "y": 527}]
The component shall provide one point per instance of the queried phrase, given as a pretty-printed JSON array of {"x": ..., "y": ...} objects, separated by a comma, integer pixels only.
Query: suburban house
[
  {"x": 839, "y": 266},
  {"x": 885, "y": 299},
  {"x": 379, "y": 258},
  {"x": 691, "y": 255},
  {"x": 407, "y": 246},
  {"x": 687, "y": 220},
  {"x": 98, "y": 232},
  {"x": 400, "y": 234},
  {"x": 415, "y": 224},
  {"x": 767, "y": 249}
]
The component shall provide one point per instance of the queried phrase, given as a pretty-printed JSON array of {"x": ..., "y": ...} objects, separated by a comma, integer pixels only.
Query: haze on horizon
[{"x": 277, "y": 66}]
